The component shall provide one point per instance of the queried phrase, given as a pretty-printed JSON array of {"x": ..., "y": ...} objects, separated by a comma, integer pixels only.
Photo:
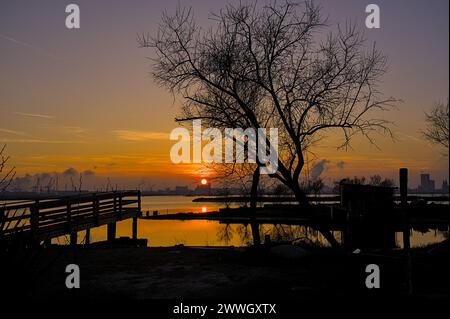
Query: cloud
[
  {"x": 340, "y": 164},
  {"x": 38, "y": 141},
  {"x": 23, "y": 182},
  {"x": 68, "y": 179},
  {"x": 44, "y": 116},
  {"x": 32, "y": 46},
  {"x": 4, "y": 130},
  {"x": 318, "y": 168},
  {"x": 75, "y": 129},
  {"x": 70, "y": 172},
  {"x": 88, "y": 172},
  {"x": 127, "y": 135}
]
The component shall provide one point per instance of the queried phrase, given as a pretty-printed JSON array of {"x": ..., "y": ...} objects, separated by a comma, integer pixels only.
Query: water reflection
[
  {"x": 179, "y": 204},
  {"x": 212, "y": 233}
]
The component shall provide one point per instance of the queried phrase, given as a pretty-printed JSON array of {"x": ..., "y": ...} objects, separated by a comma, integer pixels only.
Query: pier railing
[{"x": 46, "y": 219}]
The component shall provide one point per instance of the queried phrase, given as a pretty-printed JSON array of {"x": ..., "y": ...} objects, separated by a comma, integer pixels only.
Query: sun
[{"x": 204, "y": 181}]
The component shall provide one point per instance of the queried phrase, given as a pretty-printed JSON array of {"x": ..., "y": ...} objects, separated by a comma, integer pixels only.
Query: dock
[{"x": 36, "y": 222}]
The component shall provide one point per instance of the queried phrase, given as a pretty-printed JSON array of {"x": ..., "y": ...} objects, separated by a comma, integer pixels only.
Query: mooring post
[
  {"x": 404, "y": 187},
  {"x": 404, "y": 205},
  {"x": 405, "y": 222}
]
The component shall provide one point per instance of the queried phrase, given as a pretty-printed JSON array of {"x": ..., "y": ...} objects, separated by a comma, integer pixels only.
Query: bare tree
[
  {"x": 269, "y": 67},
  {"x": 437, "y": 125},
  {"x": 6, "y": 175}
]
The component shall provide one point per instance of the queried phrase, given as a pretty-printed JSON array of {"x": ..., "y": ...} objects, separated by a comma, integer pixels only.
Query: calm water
[
  {"x": 213, "y": 233},
  {"x": 178, "y": 204}
]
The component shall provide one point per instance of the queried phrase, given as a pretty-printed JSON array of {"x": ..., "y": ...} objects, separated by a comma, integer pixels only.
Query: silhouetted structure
[
  {"x": 427, "y": 185},
  {"x": 444, "y": 188},
  {"x": 368, "y": 207},
  {"x": 43, "y": 220}
]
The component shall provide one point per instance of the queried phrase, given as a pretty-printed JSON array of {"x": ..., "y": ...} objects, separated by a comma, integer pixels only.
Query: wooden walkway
[{"x": 42, "y": 220}]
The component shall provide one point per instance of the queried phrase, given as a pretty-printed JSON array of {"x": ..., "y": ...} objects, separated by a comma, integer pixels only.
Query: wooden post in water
[
  {"x": 404, "y": 205},
  {"x": 404, "y": 187},
  {"x": 405, "y": 222}
]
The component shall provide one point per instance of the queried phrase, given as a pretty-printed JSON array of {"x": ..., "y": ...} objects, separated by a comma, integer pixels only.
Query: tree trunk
[
  {"x": 300, "y": 196},
  {"x": 253, "y": 202}
]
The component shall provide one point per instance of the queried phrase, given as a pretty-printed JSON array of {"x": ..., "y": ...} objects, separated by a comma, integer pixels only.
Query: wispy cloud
[
  {"x": 404, "y": 137},
  {"x": 32, "y": 46},
  {"x": 4, "y": 130},
  {"x": 74, "y": 129},
  {"x": 39, "y": 141},
  {"x": 44, "y": 116},
  {"x": 127, "y": 135}
]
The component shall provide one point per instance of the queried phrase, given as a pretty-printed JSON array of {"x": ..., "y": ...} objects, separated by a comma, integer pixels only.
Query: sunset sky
[{"x": 84, "y": 99}]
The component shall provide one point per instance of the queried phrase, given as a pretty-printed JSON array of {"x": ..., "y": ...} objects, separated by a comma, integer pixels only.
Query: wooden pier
[{"x": 41, "y": 220}]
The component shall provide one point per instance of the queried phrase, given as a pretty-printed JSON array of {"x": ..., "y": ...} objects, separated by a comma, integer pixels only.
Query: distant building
[
  {"x": 427, "y": 185},
  {"x": 444, "y": 187}
]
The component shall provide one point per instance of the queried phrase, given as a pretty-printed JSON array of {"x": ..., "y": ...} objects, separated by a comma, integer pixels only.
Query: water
[
  {"x": 204, "y": 233},
  {"x": 179, "y": 204},
  {"x": 164, "y": 233},
  {"x": 213, "y": 233}
]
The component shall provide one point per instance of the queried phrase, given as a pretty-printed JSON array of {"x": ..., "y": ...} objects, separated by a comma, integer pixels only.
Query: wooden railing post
[
  {"x": 119, "y": 214},
  {"x": 111, "y": 227},
  {"x": 2, "y": 217},
  {"x": 70, "y": 228},
  {"x": 139, "y": 204},
  {"x": 95, "y": 205},
  {"x": 111, "y": 231},
  {"x": 73, "y": 238},
  {"x": 115, "y": 205},
  {"x": 135, "y": 217},
  {"x": 69, "y": 216},
  {"x": 34, "y": 223},
  {"x": 88, "y": 236}
]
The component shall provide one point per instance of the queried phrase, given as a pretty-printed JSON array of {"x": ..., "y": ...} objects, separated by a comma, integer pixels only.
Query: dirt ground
[{"x": 236, "y": 273}]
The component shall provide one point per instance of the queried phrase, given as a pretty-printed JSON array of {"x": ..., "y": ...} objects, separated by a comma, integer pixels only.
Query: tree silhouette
[
  {"x": 6, "y": 175},
  {"x": 437, "y": 125},
  {"x": 272, "y": 66}
]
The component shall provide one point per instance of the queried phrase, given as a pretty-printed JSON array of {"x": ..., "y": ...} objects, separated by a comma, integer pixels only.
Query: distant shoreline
[{"x": 216, "y": 198}]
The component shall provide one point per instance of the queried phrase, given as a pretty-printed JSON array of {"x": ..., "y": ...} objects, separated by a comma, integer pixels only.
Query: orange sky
[{"x": 84, "y": 99}]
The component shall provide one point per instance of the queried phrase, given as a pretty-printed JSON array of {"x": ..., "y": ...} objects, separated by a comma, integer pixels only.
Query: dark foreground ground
[{"x": 237, "y": 273}]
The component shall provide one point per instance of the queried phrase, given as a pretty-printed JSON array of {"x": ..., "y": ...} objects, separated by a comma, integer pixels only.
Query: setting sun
[{"x": 204, "y": 181}]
